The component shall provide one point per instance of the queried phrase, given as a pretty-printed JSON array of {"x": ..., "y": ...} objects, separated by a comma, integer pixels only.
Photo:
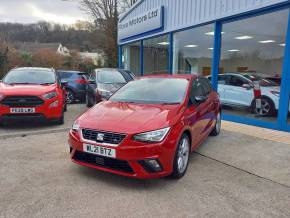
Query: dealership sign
[{"x": 147, "y": 22}]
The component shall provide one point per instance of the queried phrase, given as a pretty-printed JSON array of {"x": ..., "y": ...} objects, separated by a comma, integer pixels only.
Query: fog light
[
  {"x": 151, "y": 165},
  {"x": 53, "y": 104}
]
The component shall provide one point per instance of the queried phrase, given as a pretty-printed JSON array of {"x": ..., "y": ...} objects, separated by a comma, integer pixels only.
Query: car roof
[
  {"x": 34, "y": 68},
  {"x": 177, "y": 76},
  {"x": 70, "y": 71}
]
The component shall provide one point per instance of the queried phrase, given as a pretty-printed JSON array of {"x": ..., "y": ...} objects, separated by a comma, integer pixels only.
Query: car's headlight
[
  {"x": 50, "y": 95},
  {"x": 104, "y": 93},
  {"x": 152, "y": 136},
  {"x": 75, "y": 126},
  {"x": 276, "y": 93}
]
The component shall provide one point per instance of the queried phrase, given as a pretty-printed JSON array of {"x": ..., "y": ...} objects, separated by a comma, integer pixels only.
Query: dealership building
[{"x": 230, "y": 41}]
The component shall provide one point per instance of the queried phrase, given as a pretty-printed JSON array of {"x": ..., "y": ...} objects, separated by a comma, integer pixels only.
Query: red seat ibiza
[{"x": 148, "y": 128}]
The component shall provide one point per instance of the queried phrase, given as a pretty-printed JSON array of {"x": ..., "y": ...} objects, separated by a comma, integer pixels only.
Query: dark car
[
  {"x": 77, "y": 85},
  {"x": 276, "y": 80},
  {"x": 105, "y": 82}
]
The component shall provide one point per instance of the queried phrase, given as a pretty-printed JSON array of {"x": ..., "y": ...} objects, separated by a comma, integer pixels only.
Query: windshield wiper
[
  {"x": 45, "y": 83},
  {"x": 170, "y": 103},
  {"x": 22, "y": 83}
]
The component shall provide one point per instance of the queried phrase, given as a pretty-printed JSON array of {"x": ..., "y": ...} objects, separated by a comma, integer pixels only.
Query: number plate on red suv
[{"x": 22, "y": 110}]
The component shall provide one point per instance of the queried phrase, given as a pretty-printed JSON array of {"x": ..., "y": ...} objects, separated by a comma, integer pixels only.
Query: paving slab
[
  {"x": 258, "y": 156},
  {"x": 37, "y": 179}
]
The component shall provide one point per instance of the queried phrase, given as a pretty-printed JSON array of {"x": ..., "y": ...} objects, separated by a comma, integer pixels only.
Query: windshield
[
  {"x": 263, "y": 81},
  {"x": 30, "y": 77},
  {"x": 153, "y": 91},
  {"x": 110, "y": 76}
]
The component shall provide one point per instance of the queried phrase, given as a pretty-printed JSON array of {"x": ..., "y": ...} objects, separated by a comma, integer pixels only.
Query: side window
[
  {"x": 196, "y": 90},
  {"x": 222, "y": 79},
  {"x": 237, "y": 81},
  {"x": 205, "y": 83},
  {"x": 92, "y": 76}
]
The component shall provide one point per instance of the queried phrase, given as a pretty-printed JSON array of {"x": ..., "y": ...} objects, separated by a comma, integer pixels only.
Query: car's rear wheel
[
  {"x": 70, "y": 96},
  {"x": 181, "y": 158},
  {"x": 267, "y": 107},
  {"x": 217, "y": 127}
]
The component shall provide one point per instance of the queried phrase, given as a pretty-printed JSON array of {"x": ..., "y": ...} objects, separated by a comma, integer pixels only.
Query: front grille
[
  {"x": 22, "y": 101},
  {"x": 105, "y": 162},
  {"x": 106, "y": 137}
]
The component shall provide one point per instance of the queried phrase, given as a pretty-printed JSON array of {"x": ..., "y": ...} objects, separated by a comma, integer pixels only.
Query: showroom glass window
[
  {"x": 253, "y": 50},
  {"x": 156, "y": 54},
  {"x": 193, "y": 51},
  {"x": 131, "y": 58}
]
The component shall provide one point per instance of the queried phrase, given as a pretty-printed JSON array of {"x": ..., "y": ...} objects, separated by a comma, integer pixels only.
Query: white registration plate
[
  {"x": 22, "y": 110},
  {"x": 99, "y": 150}
]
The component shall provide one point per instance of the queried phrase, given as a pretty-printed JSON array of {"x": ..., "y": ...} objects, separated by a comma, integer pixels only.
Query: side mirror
[
  {"x": 200, "y": 99},
  {"x": 92, "y": 81},
  {"x": 247, "y": 86},
  {"x": 64, "y": 84}
]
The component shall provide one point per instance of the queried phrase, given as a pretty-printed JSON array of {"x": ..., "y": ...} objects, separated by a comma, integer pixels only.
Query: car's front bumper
[
  {"x": 42, "y": 112},
  {"x": 130, "y": 155}
]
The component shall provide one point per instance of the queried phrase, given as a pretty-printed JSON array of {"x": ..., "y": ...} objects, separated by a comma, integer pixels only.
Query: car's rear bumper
[
  {"x": 130, "y": 157},
  {"x": 80, "y": 94}
]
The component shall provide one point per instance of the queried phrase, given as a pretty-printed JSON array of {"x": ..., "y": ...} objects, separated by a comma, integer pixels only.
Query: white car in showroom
[{"x": 236, "y": 90}]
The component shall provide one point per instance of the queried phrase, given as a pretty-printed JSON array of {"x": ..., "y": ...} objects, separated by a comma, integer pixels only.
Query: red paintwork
[
  {"x": 132, "y": 119},
  {"x": 35, "y": 90}
]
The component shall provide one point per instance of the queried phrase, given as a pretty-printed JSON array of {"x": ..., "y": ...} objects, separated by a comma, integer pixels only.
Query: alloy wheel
[
  {"x": 69, "y": 97},
  {"x": 183, "y": 155},
  {"x": 218, "y": 123},
  {"x": 265, "y": 108}
]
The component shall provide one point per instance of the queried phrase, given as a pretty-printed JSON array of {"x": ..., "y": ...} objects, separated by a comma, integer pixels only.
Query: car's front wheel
[{"x": 181, "y": 158}]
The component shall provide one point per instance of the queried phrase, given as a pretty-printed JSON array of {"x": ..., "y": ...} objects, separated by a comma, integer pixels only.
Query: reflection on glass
[
  {"x": 192, "y": 50},
  {"x": 251, "y": 51},
  {"x": 288, "y": 120},
  {"x": 131, "y": 58},
  {"x": 156, "y": 53}
]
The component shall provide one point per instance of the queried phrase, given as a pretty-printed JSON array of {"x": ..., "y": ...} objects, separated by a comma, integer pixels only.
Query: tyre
[
  {"x": 70, "y": 96},
  {"x": 65, "y": 108},
  {"x": 60, "y": 121},
  {"x": 181, "y": 158},
  {"x": 88, "y": 102},
  {"x": 267, "y": 107},
  {"x": 217, "y": 127}
]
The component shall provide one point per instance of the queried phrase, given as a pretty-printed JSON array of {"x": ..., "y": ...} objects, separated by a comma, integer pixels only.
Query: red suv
[
  {"x": 32, "y": 93},
  {"x": 148, "y": 128}
]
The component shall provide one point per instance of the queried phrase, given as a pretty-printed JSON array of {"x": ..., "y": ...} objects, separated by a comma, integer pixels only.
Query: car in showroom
[
  {"x": 236, "y": 90},
  {"x": 32, "y": 94},
  {"x": 77, "y": 85},
  {"x": 104, "y": 82},
  {"x": 148, "y": 128}
]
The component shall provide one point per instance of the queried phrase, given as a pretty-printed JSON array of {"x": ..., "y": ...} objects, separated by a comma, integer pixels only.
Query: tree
[{"x": 106, "y": 14}]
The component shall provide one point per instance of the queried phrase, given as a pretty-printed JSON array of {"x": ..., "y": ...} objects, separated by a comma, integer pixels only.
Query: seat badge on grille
[{"x": 100, "y": 137}]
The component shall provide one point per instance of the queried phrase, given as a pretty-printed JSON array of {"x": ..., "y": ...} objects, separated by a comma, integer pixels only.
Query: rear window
[{"x": 110, "y": 77}]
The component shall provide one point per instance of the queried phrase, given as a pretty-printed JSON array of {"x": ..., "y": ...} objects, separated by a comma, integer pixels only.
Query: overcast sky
[{"x": 30, "y": 11}]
